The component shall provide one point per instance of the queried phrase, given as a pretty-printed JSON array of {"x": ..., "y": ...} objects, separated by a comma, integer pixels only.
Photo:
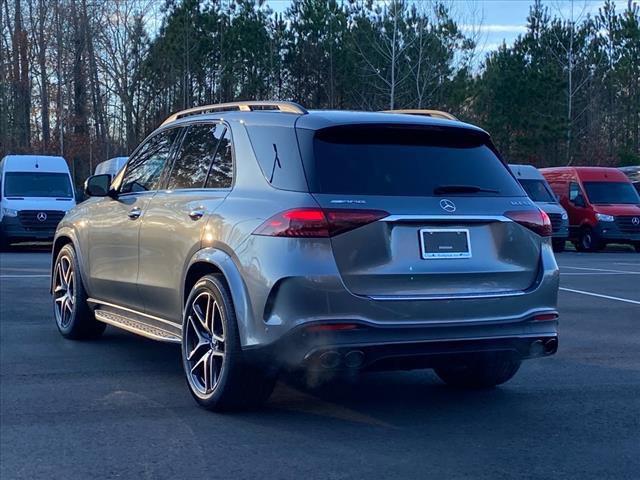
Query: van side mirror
[
  {"x": 97, "y": 185},
  {"x": 579, "y": 201}
]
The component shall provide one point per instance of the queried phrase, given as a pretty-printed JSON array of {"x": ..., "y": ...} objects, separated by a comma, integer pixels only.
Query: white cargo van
[
  {"x": 35, "y": 193},
  {"x": 111, "y": 166},
  {"x": 540, "y": 192}
]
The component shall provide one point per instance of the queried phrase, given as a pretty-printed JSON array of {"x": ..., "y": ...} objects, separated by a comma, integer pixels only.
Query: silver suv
[{"x": 263, "y": 237}]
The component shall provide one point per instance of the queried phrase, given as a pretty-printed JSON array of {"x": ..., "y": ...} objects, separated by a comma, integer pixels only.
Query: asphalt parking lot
[{"x": 119, "y": 407}]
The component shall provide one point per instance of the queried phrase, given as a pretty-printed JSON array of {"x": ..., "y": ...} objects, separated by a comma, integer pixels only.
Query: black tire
[
  {"x": 237, "y": 384},
  {"x": 74, "y": 317},
  {"x": 588, "y": 241},
  {"x": 481, "y": 371},
  {"x": 558, "y": 244}
]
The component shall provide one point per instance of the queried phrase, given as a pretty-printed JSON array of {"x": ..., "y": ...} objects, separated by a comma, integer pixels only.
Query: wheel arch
[{"x": 212, "y": 261}]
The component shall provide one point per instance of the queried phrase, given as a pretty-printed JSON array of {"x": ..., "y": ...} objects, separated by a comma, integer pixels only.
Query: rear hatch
[{"x": 442, "y": 194}]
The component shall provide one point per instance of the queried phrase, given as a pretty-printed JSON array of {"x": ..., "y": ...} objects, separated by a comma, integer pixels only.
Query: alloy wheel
[
  {"x": 64, "y": 291},
  {"x": 204, "y": 343}
]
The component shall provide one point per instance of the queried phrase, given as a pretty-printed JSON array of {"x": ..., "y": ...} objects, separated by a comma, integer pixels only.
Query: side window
[
  {"x": 192, "y": 163},
  {"x": 221, "y": 172},
  {"x": 144, "y": 169},
  {"x": 574, "y": 191}
]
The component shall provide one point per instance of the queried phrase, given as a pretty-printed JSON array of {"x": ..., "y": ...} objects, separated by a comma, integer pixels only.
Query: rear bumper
[
  {"x": 12, "y": 230},
  {"x": 368, "y": 347}
]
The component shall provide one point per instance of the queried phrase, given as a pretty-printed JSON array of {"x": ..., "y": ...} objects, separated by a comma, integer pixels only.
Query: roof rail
[
  {"x": 287, "y": 107},
  {"x": 425, "y": 113}
]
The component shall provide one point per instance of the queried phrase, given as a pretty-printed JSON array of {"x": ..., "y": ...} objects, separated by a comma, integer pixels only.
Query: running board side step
[{"x": 136, "y": 326}]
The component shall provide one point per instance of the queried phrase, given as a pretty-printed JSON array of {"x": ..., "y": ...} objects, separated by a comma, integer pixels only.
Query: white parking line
[
  {"x": 599, "y": 269},
  {"x": 25, "y": 276},
  {"x": 626, "y": 300},
  {"x": 564, "y": 274}
]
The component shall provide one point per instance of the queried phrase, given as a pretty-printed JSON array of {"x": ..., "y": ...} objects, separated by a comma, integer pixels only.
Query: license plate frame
[{"x": 442, "y": 253}]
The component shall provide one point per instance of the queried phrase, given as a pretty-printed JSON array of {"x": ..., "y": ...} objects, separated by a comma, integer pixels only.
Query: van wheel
[
  {"x": 558, "y": 244},
  {"x": 482, "y": 371},
  {"x": 74, "y": 317},
  {"x": 588, "y": 241},
  {"x": 218, "y": 376}
]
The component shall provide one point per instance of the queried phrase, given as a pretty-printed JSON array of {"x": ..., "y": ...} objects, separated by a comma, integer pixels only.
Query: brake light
[
  {"x": 317, "y": 222},
  {"x": 535, "y": 220}
]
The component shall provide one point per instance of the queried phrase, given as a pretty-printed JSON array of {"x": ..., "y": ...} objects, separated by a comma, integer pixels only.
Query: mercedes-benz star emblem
[
  {"x": 41, "y": 216},
  {"x": 635, "y": 221},
  {"x": 447, "y": 205}
]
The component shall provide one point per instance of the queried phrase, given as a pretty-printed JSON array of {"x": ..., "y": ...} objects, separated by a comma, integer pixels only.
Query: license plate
[{"x": 444, "y": 243}]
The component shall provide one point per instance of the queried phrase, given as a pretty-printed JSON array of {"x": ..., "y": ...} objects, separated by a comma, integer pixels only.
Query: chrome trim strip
[
  {"x": 130, "y": 310},
  {"x": 448, "y": 218},
  {"x": 513, "y": 293},
  {"x": 136, "y": 327}
]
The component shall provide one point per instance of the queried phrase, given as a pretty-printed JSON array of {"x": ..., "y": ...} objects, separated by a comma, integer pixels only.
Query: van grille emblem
[
  {"x": 635, "y": 221},
  {"x": 447, "y": 205},
  {"x": 41, "y": 216}
]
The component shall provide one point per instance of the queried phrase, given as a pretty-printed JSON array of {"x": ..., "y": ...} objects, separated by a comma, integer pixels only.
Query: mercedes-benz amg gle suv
[{"x": 263, "y": 237}]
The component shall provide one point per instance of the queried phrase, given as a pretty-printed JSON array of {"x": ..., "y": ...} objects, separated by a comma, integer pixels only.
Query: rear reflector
[
  {"x": 332, "y": 327},
  {"x": 535, "y": 220},
  {"x": 317, "y": 222},
  {"x": 545, "y": 317}
]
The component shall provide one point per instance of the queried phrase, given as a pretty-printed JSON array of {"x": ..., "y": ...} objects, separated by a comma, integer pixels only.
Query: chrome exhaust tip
[
  {"x": 354, "y": 359},
  {"x": 330, "y": 359}
]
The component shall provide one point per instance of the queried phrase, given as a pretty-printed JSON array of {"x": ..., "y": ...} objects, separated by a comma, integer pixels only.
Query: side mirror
[
  {"x": 97, "y": 185},
  {"x": 579, "y": 201}
]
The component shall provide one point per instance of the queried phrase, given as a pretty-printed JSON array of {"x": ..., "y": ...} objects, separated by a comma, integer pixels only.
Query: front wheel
[
  {"x": 218, "y": 376},
  {"x": 74, "y": 317},
  {"x": 484, "y": 371},
  {"x": 588, "y": 241}
]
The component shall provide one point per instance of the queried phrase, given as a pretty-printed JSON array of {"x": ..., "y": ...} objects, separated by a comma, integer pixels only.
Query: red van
[{"x": 602, "y": 204}]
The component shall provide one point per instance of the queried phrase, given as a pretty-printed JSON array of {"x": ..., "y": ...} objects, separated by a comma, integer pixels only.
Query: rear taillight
[
  {"x": 535, "y": 220},
  {"x": 317, "y": 222}
]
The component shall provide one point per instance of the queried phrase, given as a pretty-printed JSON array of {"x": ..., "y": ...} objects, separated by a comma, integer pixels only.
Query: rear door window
[
  {"x": 145, "y": 167},
  {"x": 221, "y": 171},
  {"x": 408, "y": 161},
  {"x": 195, "y": 156}
]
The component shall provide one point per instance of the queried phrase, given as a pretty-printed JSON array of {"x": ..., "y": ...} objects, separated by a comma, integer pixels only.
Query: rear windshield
[
  {"x": 37, "y": 184},
  {"x": 537, "y": 190},
  {"x": 611, "y": 193},
  {"x": 406, "y": 160}
]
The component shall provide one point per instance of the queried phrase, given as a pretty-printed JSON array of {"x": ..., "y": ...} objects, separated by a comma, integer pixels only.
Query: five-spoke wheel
[
  {"x": 63, "y": 290},
  {"x": 74, "y": 317},
  {"x": 204, "y": 343},
  {"x": 218, "y": 374}
]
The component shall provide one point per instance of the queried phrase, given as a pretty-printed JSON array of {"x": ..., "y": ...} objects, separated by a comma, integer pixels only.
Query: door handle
[
  {"x": 196, "y": 214},
  {"x": 134, "y": 213}
]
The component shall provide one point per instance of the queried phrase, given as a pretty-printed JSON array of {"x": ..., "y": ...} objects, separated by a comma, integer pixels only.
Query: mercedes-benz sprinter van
[{"x": 35, "y": 193}]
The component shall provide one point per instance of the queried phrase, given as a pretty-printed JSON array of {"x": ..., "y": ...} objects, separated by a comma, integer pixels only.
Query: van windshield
[
  {"x": 537, "y": 191},
  {"x": 609, "y": 193},
  {"x": 37, "y": 184},
  {"x": 407, "y": 161}
]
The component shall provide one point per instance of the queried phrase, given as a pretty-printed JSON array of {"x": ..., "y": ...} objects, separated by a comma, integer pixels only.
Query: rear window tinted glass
[{"x": 407, "y": 161}]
